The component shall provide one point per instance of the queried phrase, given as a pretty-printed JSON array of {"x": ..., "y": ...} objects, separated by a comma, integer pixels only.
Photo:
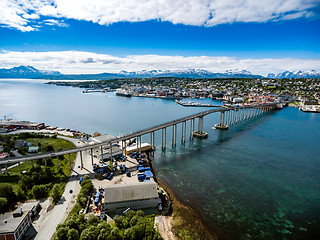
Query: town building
[
  {"x": 11, "y": 125},
  {"x": 14, "y": 225}
]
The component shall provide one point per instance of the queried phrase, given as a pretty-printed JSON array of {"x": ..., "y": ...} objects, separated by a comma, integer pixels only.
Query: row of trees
[
  {"x": 132, "y": 226},
  {"x": 37, "y": 183}
]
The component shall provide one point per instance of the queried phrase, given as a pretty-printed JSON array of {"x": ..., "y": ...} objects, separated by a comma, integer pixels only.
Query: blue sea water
[{"x": 258, "y": 180}]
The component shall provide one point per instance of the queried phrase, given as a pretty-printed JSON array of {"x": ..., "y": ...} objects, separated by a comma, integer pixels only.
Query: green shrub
[{"x": 3, "y": 204}]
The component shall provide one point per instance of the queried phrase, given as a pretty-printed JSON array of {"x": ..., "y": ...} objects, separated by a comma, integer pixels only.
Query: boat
[
  {"x": 310, "y": 108},
  {"x": 123, "y": 93},
  {"x": 221, "y": 126},
  {"x": 93, "y": 90}
]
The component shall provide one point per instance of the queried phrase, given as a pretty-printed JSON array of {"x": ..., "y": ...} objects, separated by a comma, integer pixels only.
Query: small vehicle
[
  {"x": 102, "y": 215},
  {"x": 70, "y": 191},
  {"x": 81, "y": 211},
  {"x": 160, "y": 207},
  {"x": 110, "y": 176}
]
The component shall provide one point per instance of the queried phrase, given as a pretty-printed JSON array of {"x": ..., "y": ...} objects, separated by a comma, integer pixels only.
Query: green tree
[
  {"x": 62, "y": 233},
  {"x": 39, "y": 191},
  {"x": 92, "y": 220},
  {"x": 49, "y": 148},
  {"x": 55, "y": 194},
  {"x": 6, "y": 149},
  {"x": 73, "y": 234},
  {"x": 6, "y": 191},
  {"x": 21, "y": 195},
  {"x": 3, "y": 204}
]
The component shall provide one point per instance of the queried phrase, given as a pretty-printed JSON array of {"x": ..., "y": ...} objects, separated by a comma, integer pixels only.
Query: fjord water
[{"x": 258, "y": 180}]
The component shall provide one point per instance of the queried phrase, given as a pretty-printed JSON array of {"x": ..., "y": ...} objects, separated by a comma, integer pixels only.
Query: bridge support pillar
[
  {"x": 32, "y": 163},
  {"x": 165, "y": 138},
  {"x": 200, "y": 133},
  {"x": 223, "y": 120},
  {"x": 19, "y": 167},
  {"x": 162, "y": 138},
  {"x": 58, "y": 162},
  {"x": 190, "y": 129},
  {"x": 6, "y": 169},
  {"x": 124, "y": 151},
  {"x": 153, "y": 142},
  {"x": 70, "y": 161},
  {"x": 91, "y": 151},
  {"x": 111, "y": 152},
  {"x": 172, "y": 135},
  {"x": 45, "y": 163},
  {"x": 185, "y": 132},
  {"x": 101, "y": 153},
  {"x": 175, "y": 135},
  {"x": 81, "y": 161},
  {"x": 140, "y": 145}
]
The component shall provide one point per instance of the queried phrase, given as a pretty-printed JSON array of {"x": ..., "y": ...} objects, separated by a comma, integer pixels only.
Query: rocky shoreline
[{"x": 186, "y": 221}]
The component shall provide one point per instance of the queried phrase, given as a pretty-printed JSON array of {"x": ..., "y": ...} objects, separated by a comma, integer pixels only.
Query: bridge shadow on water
[
  {"x": 241, "y": 128},
  {"x": 192, "y": 148}
]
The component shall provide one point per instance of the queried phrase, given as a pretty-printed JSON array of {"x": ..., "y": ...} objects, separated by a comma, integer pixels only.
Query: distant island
[{"x": 31, "y": 72}]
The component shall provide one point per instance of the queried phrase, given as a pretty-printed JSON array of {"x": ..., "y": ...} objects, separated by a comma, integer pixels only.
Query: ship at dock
[
  {"x": 123, "y": 93},
  {"x": 310, "y": 108}
]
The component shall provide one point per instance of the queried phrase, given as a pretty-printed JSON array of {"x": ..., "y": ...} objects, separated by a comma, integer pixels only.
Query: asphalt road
[{"x": 60, "y": 212}]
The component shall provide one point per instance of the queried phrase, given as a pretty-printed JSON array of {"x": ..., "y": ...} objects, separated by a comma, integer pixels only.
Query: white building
[{"x": 130, "y": 195}]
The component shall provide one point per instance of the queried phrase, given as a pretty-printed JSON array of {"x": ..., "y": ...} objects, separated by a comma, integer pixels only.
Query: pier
[
  {"x": 193, "y": 104},
  {"x": 228, "y": 116}
]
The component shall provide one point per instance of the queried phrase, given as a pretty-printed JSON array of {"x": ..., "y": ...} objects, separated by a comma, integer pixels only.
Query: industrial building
[
  {"x": 13, "y": 225},
  {"x": 130, "y": 195},
  {"x": 11, "y": 124}
]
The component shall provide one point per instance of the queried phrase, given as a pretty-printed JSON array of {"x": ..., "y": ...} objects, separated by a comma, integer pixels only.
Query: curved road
[{"x": 59, "y": 213}]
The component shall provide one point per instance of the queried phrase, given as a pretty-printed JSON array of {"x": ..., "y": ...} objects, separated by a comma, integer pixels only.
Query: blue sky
[{"x": 257, "y": 35}]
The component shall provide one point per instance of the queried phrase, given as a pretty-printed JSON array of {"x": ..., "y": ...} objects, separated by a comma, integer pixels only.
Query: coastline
[{"x": 186, "y": 220}]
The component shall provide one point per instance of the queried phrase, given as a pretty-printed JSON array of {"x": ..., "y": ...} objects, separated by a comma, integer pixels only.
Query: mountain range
[
  {"x": 296, "y": 74},
  {"x": 31, "y": 72},
  {"x": 26, "y": 72}
]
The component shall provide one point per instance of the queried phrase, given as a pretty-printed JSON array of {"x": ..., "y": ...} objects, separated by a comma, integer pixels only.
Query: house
[
  {"x": 4, "y": 155},
  {"x": 34, "y": 149},
  {"x": 130, "y": 195},
  {"x": 20, "y": 144}
]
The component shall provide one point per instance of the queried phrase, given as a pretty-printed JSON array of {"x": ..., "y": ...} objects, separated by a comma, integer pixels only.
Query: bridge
[{"x": 229, "y": 116}]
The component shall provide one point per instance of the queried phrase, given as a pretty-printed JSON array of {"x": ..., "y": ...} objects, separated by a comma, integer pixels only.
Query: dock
[{"x": 193, "y": 104}]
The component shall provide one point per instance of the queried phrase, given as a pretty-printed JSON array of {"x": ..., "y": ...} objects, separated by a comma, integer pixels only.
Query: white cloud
[
  {"x": 21, "y": 13},
  {"x": 76, "y": 62},
  {"x": 54, "y": 22}
]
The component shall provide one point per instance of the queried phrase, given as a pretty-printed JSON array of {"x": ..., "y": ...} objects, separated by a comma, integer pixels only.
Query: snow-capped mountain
[
  {"x": 187, "y": 73},
  {"x": 25, "y": 72},
  {"x": 31, "y": 72},
  {"x": 296, "y": 74}
]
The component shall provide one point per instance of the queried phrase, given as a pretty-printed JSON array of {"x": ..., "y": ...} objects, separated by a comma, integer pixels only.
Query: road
[{"x": 47, "y": 223}]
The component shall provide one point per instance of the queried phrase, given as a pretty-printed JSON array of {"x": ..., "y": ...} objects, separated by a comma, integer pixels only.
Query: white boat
[{"x": 123, "y": 93}]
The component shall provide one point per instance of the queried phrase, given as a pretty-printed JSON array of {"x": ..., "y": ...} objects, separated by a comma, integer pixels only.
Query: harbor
[
  {"x": 194, "y": 104},
  {"x": 230, "y": 166}
]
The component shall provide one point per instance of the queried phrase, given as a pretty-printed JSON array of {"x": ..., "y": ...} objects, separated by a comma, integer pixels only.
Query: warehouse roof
[
  {"x": 130, "y": 192},
  {"x": 8, "y": 223}
]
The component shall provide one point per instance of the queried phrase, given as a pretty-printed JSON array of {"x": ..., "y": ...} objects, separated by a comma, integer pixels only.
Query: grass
[{"x": 57, "y": 143}]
